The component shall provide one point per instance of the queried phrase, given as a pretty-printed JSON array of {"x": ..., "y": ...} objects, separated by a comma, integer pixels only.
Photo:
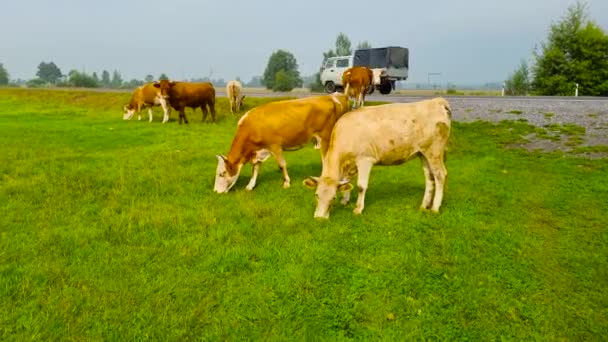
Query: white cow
[
  {"x": 234, "y": 91},
  {"x": 385, "y": 135}
]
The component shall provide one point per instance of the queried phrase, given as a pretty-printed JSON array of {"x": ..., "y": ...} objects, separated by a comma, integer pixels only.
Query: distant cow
[
  {"x": 147, "y": 96},
  {"x": 357, "y": 82},
  {"x": 234, "y": 92},
  {"x": 274, "y": 127},
  {"x": 385, "y": 135},
  {"x": 193, "y": 95}
]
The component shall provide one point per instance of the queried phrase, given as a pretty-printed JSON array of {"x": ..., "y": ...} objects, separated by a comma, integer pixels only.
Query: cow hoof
[
  {"x": 249, "y": 188},
  {"x": 286, "y": 185},
  {"x": 344, "y": 201},
  {"x": 357, "y": 211}
]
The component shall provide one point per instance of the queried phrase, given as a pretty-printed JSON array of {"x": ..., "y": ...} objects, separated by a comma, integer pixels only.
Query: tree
[
  {"x": 105, "y": 78},
  {"x": 575, "y": 52},
  {"x": 96, "y": 78},
  {"x": 163, "y": 77},
  {"x": 282, "y": 60},
  {"x": 149, "y": 78},
  {"x": 81, "y": 79},
  {"x": 343, "y": 46},
  {"x": 364, "y": 45},
  {"x": 116, "y": 81},
  {"x": 3, "y": 75},
  {"x": 48, "y": 72},
  {"x": 518, "y": 82}
]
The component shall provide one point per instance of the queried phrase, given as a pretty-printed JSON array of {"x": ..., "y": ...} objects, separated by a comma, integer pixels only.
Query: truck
[{"x": 390, "y": 63}]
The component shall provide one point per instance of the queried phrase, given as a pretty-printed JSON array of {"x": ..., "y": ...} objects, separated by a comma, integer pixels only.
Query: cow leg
[
  {"x": 150, "y": 113},
  {"x": 277, "y": 152},
  {"x": 429, "y": 189},
  {"x": 345, "y": 196},
  {"x": 205, "y": 112},
  {"x": 182, "y": 115},
  {"x": 211, "y": 105},
  {"x": 364, "y": 167},
  {"x": 439, "y": 173},
  {"x": 166, "y": 110},
  {"x": 254, "y": 176}
]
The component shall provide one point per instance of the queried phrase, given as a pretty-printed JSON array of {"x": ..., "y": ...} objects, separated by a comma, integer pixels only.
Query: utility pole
[{"x": 576, "y": 91}]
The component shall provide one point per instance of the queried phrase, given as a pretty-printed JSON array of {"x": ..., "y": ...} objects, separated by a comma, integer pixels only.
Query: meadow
[{"x": 110, "y": 230}]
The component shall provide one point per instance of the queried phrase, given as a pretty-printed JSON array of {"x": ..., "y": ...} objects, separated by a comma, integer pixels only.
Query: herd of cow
[{"x": 351, "y": 141}]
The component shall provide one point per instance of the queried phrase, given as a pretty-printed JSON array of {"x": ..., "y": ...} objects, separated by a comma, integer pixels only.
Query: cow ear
[
  {"x": 345, "y": 185},
  {"x": 171, "y": 84},
  {"x": 220, "y": 158},
  {"x": 311, "y": 182},
  {"x": 156, "y": 84}
]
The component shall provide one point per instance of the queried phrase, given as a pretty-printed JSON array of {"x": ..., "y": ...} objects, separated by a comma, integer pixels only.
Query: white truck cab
[
  {"x": 389, "y": 64},
  {"x": 332, "y": 70}
]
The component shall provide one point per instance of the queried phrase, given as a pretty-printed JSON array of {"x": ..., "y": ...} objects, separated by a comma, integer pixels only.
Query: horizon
[{"x": 469, "y": 43}]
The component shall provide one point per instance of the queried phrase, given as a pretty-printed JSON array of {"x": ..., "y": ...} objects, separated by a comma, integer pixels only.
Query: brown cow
[
  {"x": 193, "y": 95},
  {"x": 385, "y": 135},
  {"x": 234, "y": 91},
  {"x": 357, "y": 82},
  {"x": 274, "y": 127},
  {"x": 147, "y": 96}
]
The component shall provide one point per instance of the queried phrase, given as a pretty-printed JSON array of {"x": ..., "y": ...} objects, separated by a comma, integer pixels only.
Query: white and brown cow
[
  {"x": 274, "y": 127},
  {"x": 234, "y": 92},
  {"x": 385, "y": 135},
  {"x": 147, "y": 96},
  {"x": 357, "y": 81}
]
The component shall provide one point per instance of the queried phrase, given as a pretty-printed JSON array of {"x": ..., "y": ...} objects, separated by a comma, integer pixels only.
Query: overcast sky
[{"x": 468, "y": 41}]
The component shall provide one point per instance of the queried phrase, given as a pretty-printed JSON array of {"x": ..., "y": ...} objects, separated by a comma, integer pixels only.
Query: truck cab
[{"x": 332, "y": 70}]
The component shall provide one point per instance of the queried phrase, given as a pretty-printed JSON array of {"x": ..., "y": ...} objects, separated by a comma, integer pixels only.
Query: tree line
[{"x": 575, "y": 53}]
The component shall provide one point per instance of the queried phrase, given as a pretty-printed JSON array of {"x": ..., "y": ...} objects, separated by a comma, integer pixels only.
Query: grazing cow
[
  {"x": 385, "y": 135},
  {"x": 234, "y": 91},
  {"x": 274, "y": 127},
  {"x": 357, "y": 82},
  {"x": 147, "y": 96},
  {"x": 193, "y": 95}
]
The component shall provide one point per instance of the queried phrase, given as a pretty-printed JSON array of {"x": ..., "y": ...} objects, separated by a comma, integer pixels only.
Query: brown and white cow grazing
[
  {"x": 147, "y": 96},
  {"x": 193, "y": 95},
  {"x": 357, "y": 82},
  {"x": 385, "y": 135},
  {"x": 274, "y": 127},
  {"x": 234, "y": 92}
]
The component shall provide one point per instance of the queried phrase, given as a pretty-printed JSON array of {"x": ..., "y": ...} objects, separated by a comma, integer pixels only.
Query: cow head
[
  {"x": 226, "y": 175},
  {"x": 239, "y": 101},
  {"x": 327, "y": 189},
  {"x": 377, "y": 75},
  {"x": 164, "y": 86},
  {"x": 128, "y": 112}
]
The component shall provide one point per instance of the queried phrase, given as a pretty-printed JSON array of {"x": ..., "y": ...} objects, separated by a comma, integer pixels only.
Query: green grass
[
  {"x": 515, "y": 111},
  {"x": 109, "y": 230},
  {"x": 549, "y": 115}
]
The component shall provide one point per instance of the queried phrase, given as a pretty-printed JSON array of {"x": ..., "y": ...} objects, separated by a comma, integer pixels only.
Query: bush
[
  {"x": 36, "y": 83},
  {"x": 283, "y": 81}
]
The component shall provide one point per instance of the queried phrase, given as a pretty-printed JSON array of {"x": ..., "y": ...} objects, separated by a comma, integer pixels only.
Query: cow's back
[
  {"x": 192, "y": 94},
  {"x": 292, "y": 122},
  {"x": 396, "y": 128}
]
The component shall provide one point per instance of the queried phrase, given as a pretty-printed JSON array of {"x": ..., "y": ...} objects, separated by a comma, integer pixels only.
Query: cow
[
  {"x": 234, "y": 92},
  {"x": 193, "y": 95},
  {"x": 357, "y": 82},
  {"x": 271, "y": 128},
  {"x": 384, "y": 135},
  {"x": 147, "y": 96}
]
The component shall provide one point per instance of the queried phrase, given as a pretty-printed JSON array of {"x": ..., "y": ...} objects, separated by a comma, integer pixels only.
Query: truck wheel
[
  {"x": 330, "y": 87},
  {"x": 385, "y": 88}
]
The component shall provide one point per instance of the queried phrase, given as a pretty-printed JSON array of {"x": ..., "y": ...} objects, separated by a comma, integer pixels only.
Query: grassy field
[{"x": 109, "y": 230}]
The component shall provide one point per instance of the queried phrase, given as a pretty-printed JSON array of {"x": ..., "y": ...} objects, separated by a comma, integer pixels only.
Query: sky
[{"x": 467, "y": 41}]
